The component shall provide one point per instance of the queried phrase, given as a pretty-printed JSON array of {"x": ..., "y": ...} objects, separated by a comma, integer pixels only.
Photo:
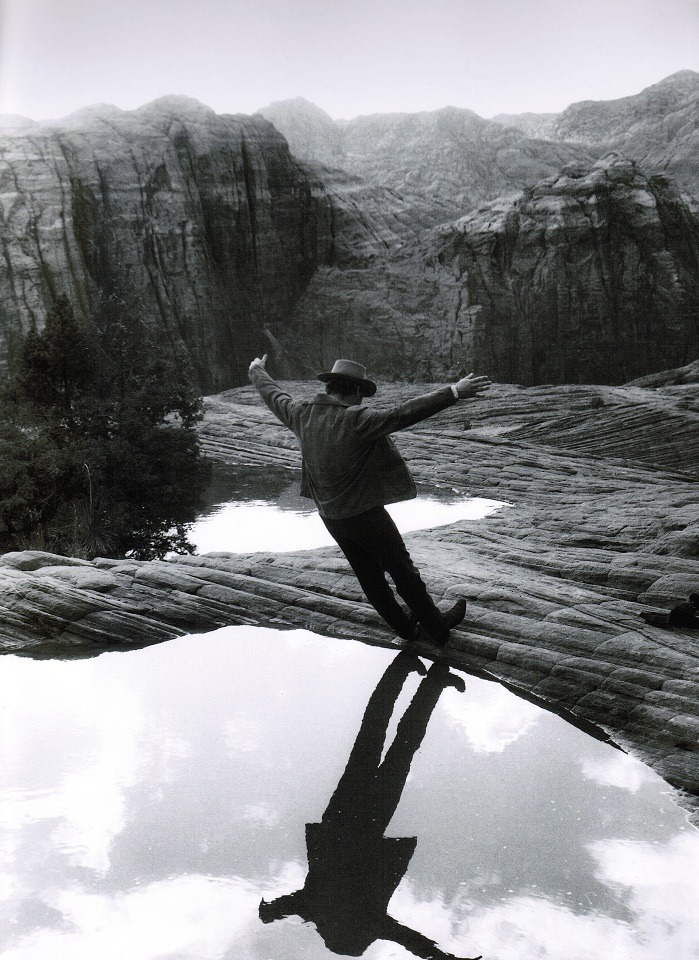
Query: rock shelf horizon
[{"x": 603, "y": 525}]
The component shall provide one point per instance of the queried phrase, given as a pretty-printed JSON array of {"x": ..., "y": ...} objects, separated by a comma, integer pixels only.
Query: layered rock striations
[
  {"x": 204, "y": 225},
  {"x": 208, "y": 228},
  {"x": 602, "y": 525},
  {"x": 591, "y": 276}
]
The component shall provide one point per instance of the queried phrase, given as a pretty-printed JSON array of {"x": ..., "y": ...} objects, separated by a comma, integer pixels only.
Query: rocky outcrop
[
  {"x": 602, "y": 524},
  {"x": 202, "y": 224},
  {"x": 312, "y": 134},
  {"x": 369, "y": 221},
  {"x": 450, "y": 157},
  {"x": 205, "y": 225},
  {"x": 656, "y": 127},
  {"x": 208, "y": 228},
  {"x": 591, "y": 276},
  {"x": 463, "y": 159}
]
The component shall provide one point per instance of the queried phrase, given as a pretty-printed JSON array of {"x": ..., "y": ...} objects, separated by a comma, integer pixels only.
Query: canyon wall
[
  {"x": 656, "y": 127},
  {"x": 591, "y": 276},
  {"x": 202, "y": 225},
  {"x": 459, "y": 158},
  {"x": 451, "y": 157},
  {"x": 575, "y": 267}
]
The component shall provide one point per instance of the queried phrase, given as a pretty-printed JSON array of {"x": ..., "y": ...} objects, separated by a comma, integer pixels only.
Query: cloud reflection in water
[{"x": 150, "y": 799}]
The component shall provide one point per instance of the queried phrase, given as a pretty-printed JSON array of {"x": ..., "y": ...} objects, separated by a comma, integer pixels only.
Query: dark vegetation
[{"x": 98, "y": 449}]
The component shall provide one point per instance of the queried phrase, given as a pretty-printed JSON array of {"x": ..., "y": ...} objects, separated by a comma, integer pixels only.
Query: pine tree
[{"x": 99, "y": 441}]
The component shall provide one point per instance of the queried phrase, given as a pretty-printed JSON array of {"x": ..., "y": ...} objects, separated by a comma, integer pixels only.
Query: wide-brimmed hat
[{"x": 353, "y": 371}]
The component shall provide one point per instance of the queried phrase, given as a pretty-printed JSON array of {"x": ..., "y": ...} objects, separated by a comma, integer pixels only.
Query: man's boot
[{"x": 452, "y": 618}]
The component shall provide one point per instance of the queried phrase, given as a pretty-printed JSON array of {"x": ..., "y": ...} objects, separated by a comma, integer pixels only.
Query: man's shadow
[{"x": 353, "y": 869}]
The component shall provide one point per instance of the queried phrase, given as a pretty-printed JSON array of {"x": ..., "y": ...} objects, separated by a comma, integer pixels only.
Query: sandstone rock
[
  {"x": 312, "y": 134},
  {"x": 451, "y": 156},
  {"x": 39, "y": 560},
  {"x": 589, "y": 277},
  {"x": 204, "y": 224},
  {"x": 207, "y": 226},
  {"x": 460, "y": 157},
  {"x": 555, "y": 583},
  {"x": 656, "y": 127}
]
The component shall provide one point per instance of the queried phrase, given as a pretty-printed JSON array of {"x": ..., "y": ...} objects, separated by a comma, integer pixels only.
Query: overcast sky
[{"x": 350, "y": 57}]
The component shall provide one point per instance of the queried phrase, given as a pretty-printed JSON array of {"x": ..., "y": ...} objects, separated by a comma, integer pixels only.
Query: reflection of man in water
[
  {"x": 352, "y": 469},
  {"x": 353, "y": 870}
]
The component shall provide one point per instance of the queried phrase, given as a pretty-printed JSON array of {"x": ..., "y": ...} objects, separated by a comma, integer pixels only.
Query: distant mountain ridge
[
  {"x": 455, "y": 155},
  {"x": 450, "y": 156},
  {"x": 658, "y": 127}
]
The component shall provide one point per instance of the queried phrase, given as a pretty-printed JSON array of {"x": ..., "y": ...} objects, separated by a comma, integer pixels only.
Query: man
[{"x": 351, "y": 469}]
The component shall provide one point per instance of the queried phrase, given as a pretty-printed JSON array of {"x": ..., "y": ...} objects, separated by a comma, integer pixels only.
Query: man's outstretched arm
[
  {"x": 413, "y": 411},
  {"x": 417, "y": 943},
  {"x": 278, "y": 400}
]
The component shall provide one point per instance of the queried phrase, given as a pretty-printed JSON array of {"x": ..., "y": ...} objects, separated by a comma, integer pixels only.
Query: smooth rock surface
[{"x": 603, "y": 524}]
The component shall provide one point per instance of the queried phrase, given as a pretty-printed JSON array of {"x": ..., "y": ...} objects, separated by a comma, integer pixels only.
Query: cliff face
[
  {"x": 450, "y": 157},
  {"x": 313, "y": 135},
  {"x": 209, "y": 228},
  {"x": 202, "y": 224},
  {"x": 589, "y": 277},
  {"x": 656, "y": 127}
]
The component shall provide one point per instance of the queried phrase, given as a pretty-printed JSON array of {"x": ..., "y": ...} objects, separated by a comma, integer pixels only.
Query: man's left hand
[{"x": 471, "y": 386}]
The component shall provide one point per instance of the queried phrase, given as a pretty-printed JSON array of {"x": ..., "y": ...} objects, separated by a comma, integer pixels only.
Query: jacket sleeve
[
  {"x": 382, "y": 422},
  {"x": 417, "y": 943},
  {"x": 278, "y": 401}
]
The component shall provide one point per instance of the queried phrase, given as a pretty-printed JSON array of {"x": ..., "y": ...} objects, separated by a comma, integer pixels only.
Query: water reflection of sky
[
  {"x": 150, "y": 799},
  {"x": 291, "y": 523}
]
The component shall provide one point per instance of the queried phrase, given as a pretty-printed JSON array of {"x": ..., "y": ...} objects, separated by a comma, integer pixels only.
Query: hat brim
[{"x": 368, "y": 386}]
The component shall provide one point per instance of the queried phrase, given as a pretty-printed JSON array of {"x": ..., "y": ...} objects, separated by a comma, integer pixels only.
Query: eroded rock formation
[
  {"x": 602, "y": 525},
  {"x": 591, "y": 276},
  {"x": 656, "y": 127},
  {"x": 204, "y": 225},
  {"x": 450, "y": 157},
  {"x": 465, "y": 159}
]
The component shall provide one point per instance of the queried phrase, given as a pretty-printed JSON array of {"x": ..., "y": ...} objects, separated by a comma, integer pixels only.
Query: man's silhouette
[{"x": 353, "y": 869}]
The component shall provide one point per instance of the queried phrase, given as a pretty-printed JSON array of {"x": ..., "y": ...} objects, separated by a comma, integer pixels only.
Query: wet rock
[{"x": 555, "y": 582}]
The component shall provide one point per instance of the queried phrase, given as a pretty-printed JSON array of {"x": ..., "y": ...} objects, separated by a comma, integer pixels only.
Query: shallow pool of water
[
  {"x": 247, "y": 514},
  {"x": 151, "y": 800}
]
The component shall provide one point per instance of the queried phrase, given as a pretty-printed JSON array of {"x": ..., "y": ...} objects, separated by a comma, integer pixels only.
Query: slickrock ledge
[{"x": 602, "y": 524}]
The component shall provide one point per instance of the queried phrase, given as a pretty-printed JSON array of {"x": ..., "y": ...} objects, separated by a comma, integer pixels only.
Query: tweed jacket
[{"x": 350, "y": 464}]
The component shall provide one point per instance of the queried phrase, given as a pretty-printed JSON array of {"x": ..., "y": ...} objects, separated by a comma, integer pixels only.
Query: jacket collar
[{"x": 326, "y": 398}]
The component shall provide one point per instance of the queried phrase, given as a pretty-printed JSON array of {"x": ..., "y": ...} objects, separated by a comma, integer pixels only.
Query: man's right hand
[
  {"x": 471, "y": 386},
  {"x": 258, "y": 362}
]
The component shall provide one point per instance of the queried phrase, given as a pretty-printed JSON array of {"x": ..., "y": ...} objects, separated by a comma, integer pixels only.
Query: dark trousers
[{"x": 374, "y": 547}]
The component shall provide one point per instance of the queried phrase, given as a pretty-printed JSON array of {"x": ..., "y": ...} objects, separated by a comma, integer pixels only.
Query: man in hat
[{"x": 351, "y": 469}]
